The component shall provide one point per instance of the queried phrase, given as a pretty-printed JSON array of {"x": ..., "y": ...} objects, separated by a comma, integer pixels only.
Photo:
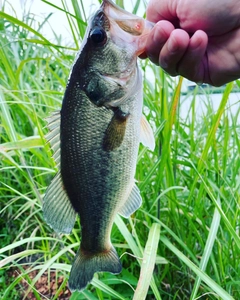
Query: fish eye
[{"x": 98, "y": 36}]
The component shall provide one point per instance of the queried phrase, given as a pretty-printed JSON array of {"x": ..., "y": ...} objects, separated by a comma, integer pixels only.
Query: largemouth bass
[{"x": 95, "y": 139}]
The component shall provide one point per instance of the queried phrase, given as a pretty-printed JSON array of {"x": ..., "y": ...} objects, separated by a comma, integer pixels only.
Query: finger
[
  {"x": 173, "y": 51},
  {"x": 161, "y": 10},
  {"x": 156, "y": 40},
  {"x": 192, "y": 65}
]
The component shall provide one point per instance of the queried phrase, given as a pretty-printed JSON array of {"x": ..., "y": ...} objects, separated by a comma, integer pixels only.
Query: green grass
[{"x": 184, "y": 241}]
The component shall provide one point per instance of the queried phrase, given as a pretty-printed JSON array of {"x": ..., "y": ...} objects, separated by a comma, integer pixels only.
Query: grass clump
[{"x": 187, "y": 230}]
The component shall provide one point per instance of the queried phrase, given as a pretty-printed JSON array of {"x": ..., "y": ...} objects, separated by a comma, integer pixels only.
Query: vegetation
[{"x": 184, "y": 241}]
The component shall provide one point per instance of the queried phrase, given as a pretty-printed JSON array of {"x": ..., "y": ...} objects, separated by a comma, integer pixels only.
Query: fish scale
[
  {"x": 106, "y": 183},
  {"x": 98, "y": 130}
]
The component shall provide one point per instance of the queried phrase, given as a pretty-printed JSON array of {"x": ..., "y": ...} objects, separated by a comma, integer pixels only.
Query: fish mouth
[
  {"x": 120, "y": 79},
  {"x": 133, "y": 29}
]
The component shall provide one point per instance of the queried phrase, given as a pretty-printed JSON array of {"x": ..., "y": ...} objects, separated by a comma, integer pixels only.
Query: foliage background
[{"x": 185, "y": 237}]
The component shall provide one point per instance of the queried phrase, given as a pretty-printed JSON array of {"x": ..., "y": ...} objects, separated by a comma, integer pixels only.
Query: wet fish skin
[
  {"x": 97, "y": 75},
  {"x": 100, "y": 131}
]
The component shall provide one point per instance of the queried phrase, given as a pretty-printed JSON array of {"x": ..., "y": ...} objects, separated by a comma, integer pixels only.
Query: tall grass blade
[
  {"x": 136, "y": 249},
  {"x": 148, "y": 263},
  {"x": 26, "y": 143},
  {"x": 208, "y": 249},
  {"x": 105, "y": 288},
  {"x": 25, "y": 241},
  {"x": 27, "y": 27},
  {"x": 212, "y": 133},
  {"x": 227, "y": 222},
  {"x": 169, "y": 117},
  {"x": 136, "y": 7},
  {"x": 87, "y": 295},
  {"x": 203, "y": 276},
  {"x": 21, "y": 255},
  {"x": 48, "y": 264}
]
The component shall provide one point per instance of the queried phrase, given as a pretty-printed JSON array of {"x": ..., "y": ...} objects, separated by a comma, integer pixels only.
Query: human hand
[{"x": 199, "y": 40}]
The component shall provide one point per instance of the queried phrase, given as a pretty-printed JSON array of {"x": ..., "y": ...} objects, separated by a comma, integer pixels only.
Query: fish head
[{"x": 107, "y": 62}]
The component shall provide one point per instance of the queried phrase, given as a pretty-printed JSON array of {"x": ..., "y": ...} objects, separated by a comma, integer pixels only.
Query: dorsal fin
[
  {"x": 53, "y": 136},
  {"x": 57, "y": 208}
]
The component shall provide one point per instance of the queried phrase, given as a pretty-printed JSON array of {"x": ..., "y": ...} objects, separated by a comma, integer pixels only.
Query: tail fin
[{"x": 86, "y": 264}]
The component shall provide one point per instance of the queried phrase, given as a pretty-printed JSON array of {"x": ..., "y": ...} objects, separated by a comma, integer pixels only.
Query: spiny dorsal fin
[
  {"x": 115, "y": 132},
  {"x": 133, "y": 202},
  {"x": 57, "y": 208},
  {"x": 146, "y": 135},
  {"x": 53, "y": 136}
]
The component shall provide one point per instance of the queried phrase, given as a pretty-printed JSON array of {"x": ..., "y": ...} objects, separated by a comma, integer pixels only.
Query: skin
[{"x": 200, "y": 40}]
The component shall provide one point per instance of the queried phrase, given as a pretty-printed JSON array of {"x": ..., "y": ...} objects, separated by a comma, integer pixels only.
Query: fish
[{"x": 95, "y": 139}]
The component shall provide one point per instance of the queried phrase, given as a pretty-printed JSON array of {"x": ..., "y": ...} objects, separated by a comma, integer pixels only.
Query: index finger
[{"x": 158, "y": 10}]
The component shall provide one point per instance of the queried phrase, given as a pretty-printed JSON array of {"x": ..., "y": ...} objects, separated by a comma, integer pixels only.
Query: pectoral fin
[
  {"x": 146, "y": 135},
  {"x": 57, "y": 208},
  {"x": 115, "y": 132},
  {"x": 133, "y": 202}
]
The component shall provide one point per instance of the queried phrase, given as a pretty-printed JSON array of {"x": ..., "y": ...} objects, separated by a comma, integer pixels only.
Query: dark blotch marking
[{"x": 115, "y": 131}]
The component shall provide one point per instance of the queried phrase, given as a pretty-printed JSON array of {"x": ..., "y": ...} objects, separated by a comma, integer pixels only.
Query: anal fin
[
  {"x": 57, "y": 208},
  {"x": 133, "y": 202}
]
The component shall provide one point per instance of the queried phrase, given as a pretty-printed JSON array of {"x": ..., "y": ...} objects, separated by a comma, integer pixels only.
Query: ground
[{"x": 47, "y": 286}]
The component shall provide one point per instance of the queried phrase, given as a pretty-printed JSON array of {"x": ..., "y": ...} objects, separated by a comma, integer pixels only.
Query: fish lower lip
[
  {"x": 121, "y": 78},
  {"x": 120, "y": 81}
]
